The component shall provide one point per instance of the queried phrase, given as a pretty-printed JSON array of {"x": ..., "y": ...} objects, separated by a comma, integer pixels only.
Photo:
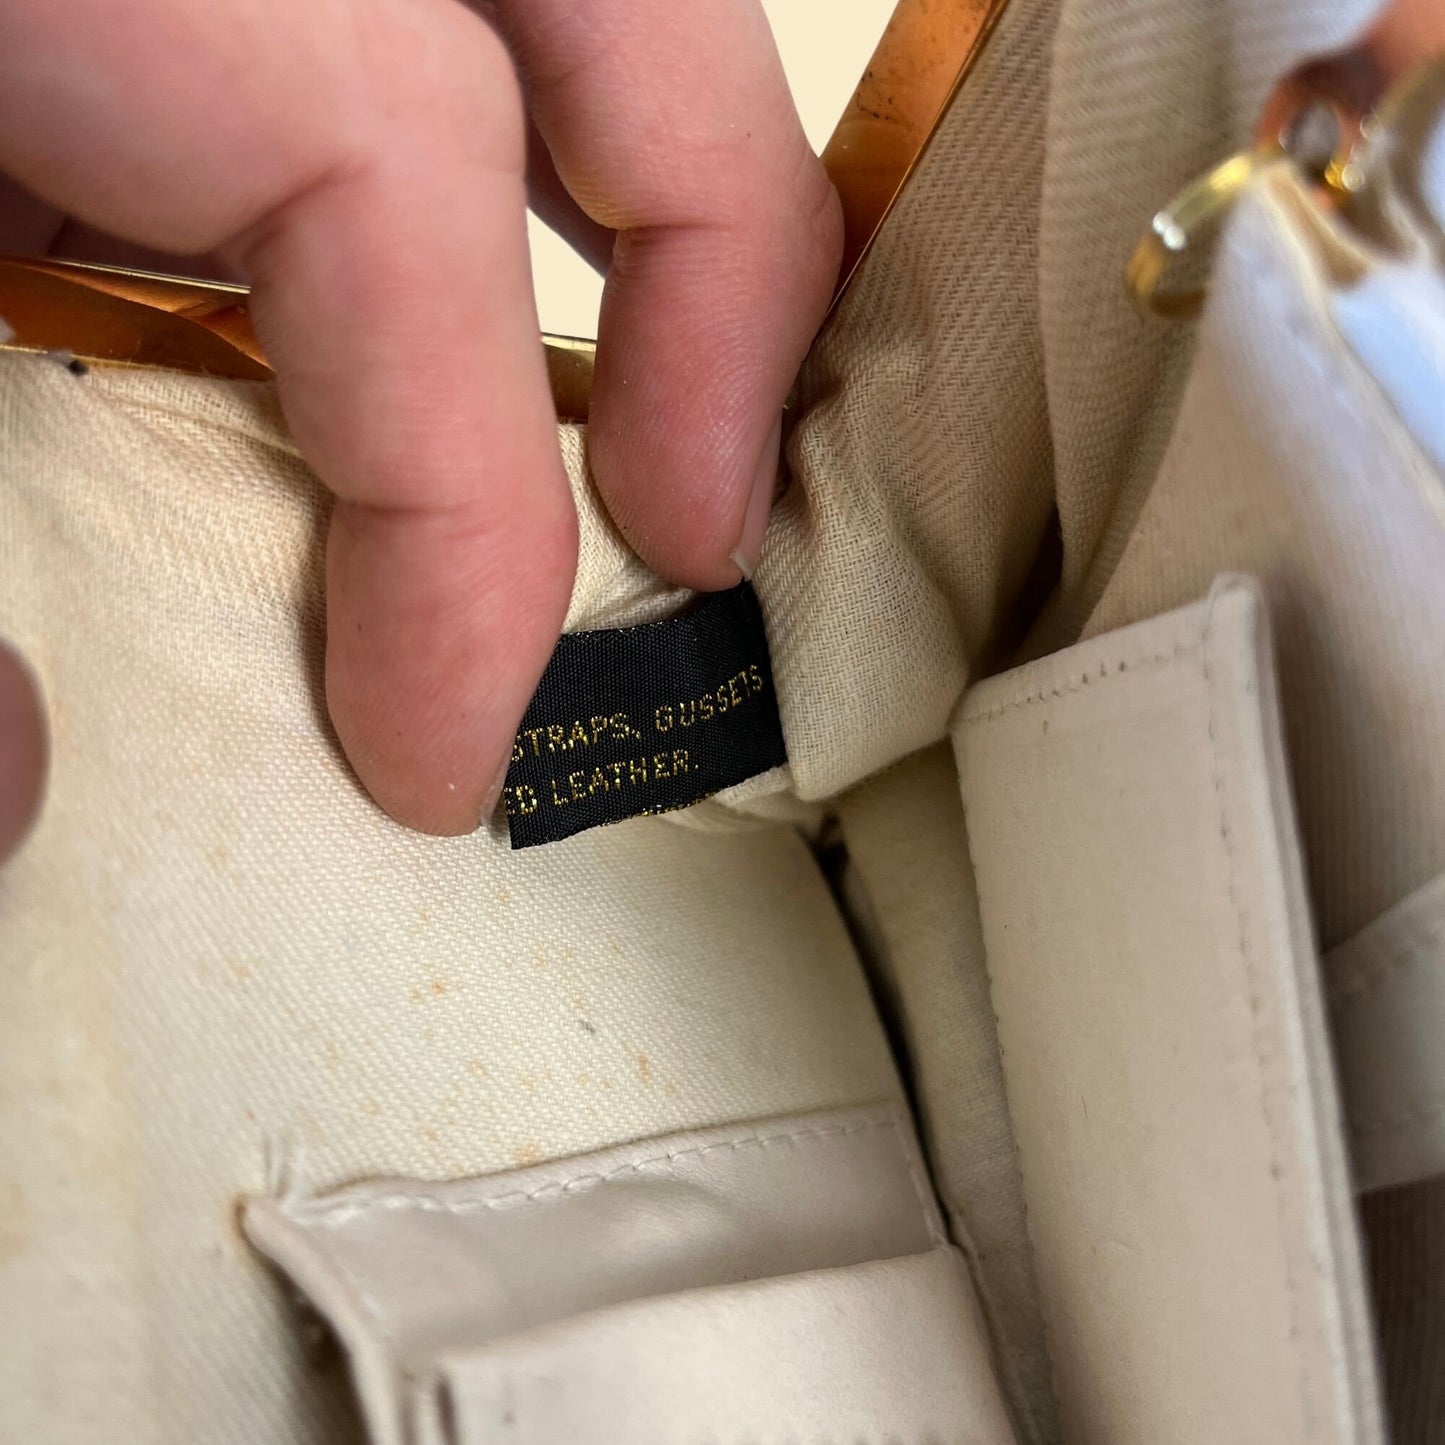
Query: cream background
[{"x": 823, "y": 51}]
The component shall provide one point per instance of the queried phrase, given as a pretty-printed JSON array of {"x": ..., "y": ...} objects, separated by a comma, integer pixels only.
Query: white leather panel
[
  {"x": 1162, "y": 1031},
  {"x": 408, "y": 1270},
  {"x": 891, "y": 1351},
  {"x": 1387, "y": 1005}
]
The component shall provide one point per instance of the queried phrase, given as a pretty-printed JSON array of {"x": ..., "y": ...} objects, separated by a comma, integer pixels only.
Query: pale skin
[{"x": 365, "y": 164}]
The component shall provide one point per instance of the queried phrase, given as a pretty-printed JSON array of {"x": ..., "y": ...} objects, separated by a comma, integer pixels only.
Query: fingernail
[
  {"x": 491, "y": 797},
  {"x": 760, "y": 504}
]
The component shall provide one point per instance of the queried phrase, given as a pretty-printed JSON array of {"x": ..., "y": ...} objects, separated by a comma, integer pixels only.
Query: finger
[
  {"x": 552, "y": 201},
  {"x": 28, "y": 227},
  {"x": 672, "y": 125},
  {"x": 22, "y": 752},
  {"x": 363, "y": 165},
  {"x": 546, "y": 194}
]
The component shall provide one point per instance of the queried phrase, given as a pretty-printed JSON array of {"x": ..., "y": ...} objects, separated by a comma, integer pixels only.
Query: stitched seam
[
  {"x": 1142, "y": 663},
  {"x": 1276, "y": 1169},
  {"x": 894, "y": 1121},
  {"x": 343, "y": 1210},
  {"x": 1147, "y": 662},
  {"x": 1026, "y": 1406},
  {"x": 1399, "y": 954},
  {"x": 1159, "y": 661}
]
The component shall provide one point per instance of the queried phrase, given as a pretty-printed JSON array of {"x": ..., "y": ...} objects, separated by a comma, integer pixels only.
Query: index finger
[{"x": 363, "y": 164}]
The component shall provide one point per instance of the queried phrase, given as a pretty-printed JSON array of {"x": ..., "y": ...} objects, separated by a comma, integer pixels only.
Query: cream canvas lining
[{"x": 220, "y": 904}]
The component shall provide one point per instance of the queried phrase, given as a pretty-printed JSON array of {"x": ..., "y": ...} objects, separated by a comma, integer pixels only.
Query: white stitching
[
  {"x": 1141, "y": 663},
  {"x": 1162, "y": 660},
  {"x": 1148, "y": 662},
  {"x": 1276, "y": 1169},
  {"x": 342, "y": 1210}
]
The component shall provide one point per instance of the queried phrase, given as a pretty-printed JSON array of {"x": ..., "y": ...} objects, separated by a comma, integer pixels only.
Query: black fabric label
[{"x": 644, "y": 720}]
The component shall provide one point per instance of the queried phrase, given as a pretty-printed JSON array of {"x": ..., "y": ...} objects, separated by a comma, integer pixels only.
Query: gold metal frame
[
  {"x": 927, "y": 51},
  {"x": 107, "y": 314},
  {"x": 113, "y": 316}
]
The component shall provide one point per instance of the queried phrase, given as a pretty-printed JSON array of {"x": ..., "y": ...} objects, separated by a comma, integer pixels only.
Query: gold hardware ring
[{"x": 1172, "y": 229}]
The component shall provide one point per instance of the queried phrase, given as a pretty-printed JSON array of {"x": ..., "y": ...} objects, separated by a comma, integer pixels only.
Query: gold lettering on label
[
  {"x": 519, "y": 799},
  {"x": 729, "y": 694},
  {"x": 564, "y": 737},
  {"x": 618, "y": 774},
  {"x": 617, "y": 727}
]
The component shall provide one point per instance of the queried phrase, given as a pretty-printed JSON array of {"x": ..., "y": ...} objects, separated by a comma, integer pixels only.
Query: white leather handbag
[{"x": 1052, "y": 1048}]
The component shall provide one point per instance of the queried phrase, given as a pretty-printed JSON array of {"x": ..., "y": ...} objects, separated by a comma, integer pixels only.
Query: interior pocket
[
  {"x": 783, "y": 1280},
  {"x": 1162, "y": 1029}
]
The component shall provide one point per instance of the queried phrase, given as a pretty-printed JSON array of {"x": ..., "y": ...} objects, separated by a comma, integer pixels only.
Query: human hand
[{"x": 364, "y": 164}]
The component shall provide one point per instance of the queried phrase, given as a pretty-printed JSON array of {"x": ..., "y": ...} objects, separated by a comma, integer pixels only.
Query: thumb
[{"x": 363, "y": 165}]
